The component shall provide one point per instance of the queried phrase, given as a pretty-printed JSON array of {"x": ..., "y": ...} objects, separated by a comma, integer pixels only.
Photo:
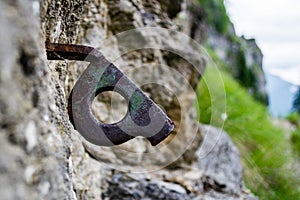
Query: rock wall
[
  {"x": 243, "y": 58},
  {"x": 43, "y": 157}
]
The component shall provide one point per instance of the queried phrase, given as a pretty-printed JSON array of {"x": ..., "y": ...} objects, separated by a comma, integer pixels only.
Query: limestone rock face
[
  {"x": 43, "y": 157},
  {"x": 219, "y": 160},
  {"x": 243, "y": 58},
  {"x": 240, "y": 56},
  {"x": 215, "y": 174}
]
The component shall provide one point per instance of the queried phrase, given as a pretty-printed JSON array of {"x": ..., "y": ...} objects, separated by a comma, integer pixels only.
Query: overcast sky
[{"x": 275, "y": 24}]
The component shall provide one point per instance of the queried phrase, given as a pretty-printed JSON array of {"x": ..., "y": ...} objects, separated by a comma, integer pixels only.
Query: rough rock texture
[
  {"x": 43, "y": 157},
  {"x": 35, "y": 136},
  {"x": 243, "y": 58},
  {"x": 222, "y": 171},
  {"x": 215, "y": 174}
]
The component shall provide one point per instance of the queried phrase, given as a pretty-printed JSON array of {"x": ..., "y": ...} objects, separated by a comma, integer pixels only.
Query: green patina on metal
[
  {"x": 111, "y": 78},
  {"x": 136, "y": 101},
  {"x": 106, "y": 80}
]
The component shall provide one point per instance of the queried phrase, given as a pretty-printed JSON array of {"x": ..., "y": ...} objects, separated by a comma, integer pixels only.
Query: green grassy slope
[
  {"x": 294, "y": 118},
  {"x": 264, "y": 149}
]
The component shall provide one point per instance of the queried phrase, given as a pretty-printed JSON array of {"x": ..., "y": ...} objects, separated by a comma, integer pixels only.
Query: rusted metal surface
[{"x": 144, "y": 117}]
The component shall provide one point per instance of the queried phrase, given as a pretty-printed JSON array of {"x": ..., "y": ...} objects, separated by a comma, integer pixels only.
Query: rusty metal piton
[{"x": 144, "y": 117}]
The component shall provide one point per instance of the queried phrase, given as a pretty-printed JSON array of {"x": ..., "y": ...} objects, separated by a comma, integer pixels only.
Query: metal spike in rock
[{"x": 144, "y": 117}]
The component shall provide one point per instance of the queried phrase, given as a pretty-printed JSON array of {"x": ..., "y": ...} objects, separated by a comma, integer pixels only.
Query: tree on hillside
[{"x": 296, "y": 103}]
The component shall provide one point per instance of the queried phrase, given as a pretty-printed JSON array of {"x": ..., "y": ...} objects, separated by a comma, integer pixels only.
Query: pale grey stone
[{"x": 43, "y": 157}]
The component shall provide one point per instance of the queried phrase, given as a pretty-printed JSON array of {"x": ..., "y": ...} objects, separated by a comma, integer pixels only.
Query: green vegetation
[
  {"x": 295, "y": 139},
  {"x": 294, "y": 118},
  {"x": 216, "y": 15},
  {"x": 267, "y": 153},
  {"x": 263, "y": 147},
  {"x": 245, "y": 75}
]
